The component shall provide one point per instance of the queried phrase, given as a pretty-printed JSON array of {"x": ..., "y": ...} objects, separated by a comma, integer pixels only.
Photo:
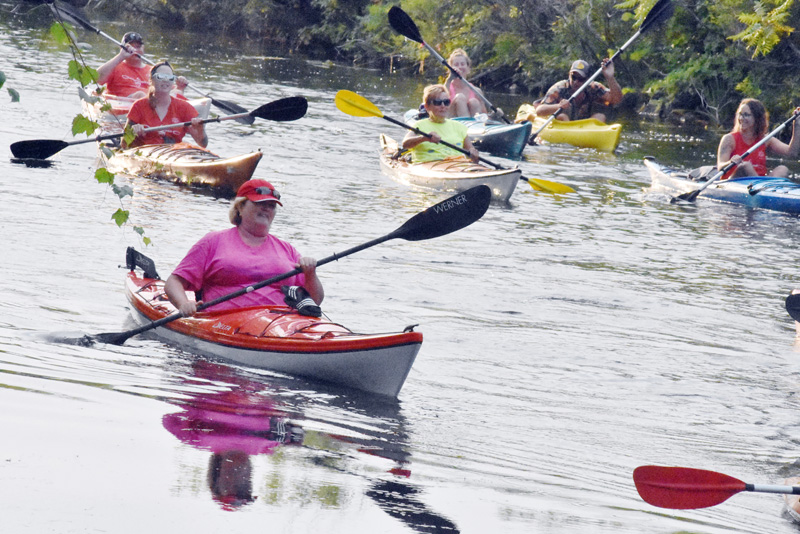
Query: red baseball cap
[{"x": 258, "y": 191}]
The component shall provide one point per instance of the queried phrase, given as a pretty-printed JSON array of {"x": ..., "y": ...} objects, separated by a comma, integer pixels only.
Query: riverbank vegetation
[{"x": 698, "y": 65}]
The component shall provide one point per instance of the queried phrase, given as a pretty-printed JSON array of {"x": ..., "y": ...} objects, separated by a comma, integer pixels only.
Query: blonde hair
[
  {"x": 429, "y": 92},
  {"x": 459, "y": 52},
  {"x": 234, "y": 213}
]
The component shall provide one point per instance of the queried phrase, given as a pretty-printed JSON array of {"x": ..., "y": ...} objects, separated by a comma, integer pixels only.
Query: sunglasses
[
  {"x": 164, "y": 77},
  {"x": 268, "y": 191},
  {"x": 133, "y": 38},
  {"x": 443, "y": 102}
]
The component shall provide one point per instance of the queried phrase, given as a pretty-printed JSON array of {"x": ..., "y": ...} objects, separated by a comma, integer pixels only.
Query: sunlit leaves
[
  {"x": 81, "y": 124},
  {"x": 765, "y": 27}
]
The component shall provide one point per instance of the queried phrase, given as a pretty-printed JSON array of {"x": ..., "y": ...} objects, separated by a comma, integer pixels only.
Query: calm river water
[{"x": 567, "y": 340}]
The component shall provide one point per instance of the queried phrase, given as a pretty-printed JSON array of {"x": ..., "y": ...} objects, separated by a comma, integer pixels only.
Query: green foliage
[
  {"x": 82, "y": 73},
  {"x": 82, "y": 124},
  {"x": 12, "y": 92},
  {"x": 103, "y": 176},
  {"x": 61, "y": 33},
  {"x": 765, "y": 27},
  {"x": 120, "y": 216}
]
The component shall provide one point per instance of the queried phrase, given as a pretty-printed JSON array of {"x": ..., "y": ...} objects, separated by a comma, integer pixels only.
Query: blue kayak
[
  {"x": 764, "y": 192},
  {"x": 496, "y": 138}
]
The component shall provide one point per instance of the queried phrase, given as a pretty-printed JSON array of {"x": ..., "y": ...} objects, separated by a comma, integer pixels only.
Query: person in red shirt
[
  {"x": 126, "y": 74},
  {"x": 160, "y": 108},
  {"x": 751, "y": 125}
]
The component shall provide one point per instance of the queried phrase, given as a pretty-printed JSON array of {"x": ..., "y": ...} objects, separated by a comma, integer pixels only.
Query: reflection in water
[
  {"x": 240, "y": 419},
  {"x": 233, "y": 425},
  {"x": 400, "y": 501}
]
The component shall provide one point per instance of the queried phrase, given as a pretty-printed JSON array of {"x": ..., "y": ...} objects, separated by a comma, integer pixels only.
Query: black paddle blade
[
  {"x": 234, "y": 109},
  {"x": 658, "y": 14},
  {"x": 37, "y": 148},
  {"x": 402, "y": 24},
  {"x": 70, "y": 14},
  {"x": 793, "y": 306},
  {"x": 455, "y": 213},
  {"x": 688, "y": 197},
  {"x": 283, "y": 110}
]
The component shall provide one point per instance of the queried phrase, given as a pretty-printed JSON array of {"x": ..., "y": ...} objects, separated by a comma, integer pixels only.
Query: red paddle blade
[{"x": 684, "y": 488}]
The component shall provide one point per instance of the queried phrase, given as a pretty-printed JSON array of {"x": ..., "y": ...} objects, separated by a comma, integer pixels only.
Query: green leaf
[
  {"x": 120, "y": 216},
  {"x": 2, "y": 78},
  {"x": 82, "y": 73},
  {"x": 129, "y": 136},
  {"x": 81, "y": 124},
  {"x": 103, "y": 176},
  {"x": 122, "y": 191},
  {"x": 14, "y": 94},
  {"x": 59, "y": 33},
  {"x": 106, "y": 150}
]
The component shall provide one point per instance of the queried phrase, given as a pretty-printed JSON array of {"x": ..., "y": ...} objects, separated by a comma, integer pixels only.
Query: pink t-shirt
[{"x": 221, "y": 263}]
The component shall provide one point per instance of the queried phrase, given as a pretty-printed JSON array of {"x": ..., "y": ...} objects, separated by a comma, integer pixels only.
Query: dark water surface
[{"x": 567, "y": 340}]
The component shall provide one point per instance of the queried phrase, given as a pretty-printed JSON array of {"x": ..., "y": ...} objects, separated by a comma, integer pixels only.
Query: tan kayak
[
  {"x": 451, "y": 174},
  {"x": 185, "y": 164},
  {"x": 586, "y": 133}
]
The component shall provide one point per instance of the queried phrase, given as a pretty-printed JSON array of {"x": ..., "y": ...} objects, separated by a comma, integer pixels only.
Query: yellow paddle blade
[
  {"x": 549, "y": 187},
  {"x": 356, "y": 105}
]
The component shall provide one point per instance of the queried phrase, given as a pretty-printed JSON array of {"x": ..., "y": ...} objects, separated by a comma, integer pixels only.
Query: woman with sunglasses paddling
[
  {"x": 437, "y": 103},
  {"x": 592, "y": 103},
  {"x": 228, "y": 260},
  {"x": 161, "y": 108},
  {"x": 750, "y": 126}
]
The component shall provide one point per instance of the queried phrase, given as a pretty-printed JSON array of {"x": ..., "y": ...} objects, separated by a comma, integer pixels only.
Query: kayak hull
[
  {"x": 586, "y": 133},
  {"x": 762, "y": 192},
  {"x": 451, "y": 175},
  {"x": 185, "y": 164},
  {"x": 493, "y": 137},
  {"x": 278, "y": 339}
]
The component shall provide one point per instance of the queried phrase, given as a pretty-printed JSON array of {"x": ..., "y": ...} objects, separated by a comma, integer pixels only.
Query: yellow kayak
[{"x": 586, "y": 133}]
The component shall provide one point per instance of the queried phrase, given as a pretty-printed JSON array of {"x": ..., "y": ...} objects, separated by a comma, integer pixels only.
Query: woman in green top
[{"x": 437, "y": 102}]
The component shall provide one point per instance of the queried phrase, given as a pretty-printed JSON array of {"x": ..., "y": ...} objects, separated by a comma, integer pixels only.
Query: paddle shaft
[
  {"x": 690, "y": 196},
  {"x": 157, "y": 128},
  {"x": 652, "y": 17}
]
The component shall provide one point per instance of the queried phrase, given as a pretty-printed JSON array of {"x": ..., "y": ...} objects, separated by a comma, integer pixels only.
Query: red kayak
[{"x": 280, "y": 339}]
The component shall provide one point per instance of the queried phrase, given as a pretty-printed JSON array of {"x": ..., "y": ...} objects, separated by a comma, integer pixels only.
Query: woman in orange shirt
[{"x": 160, "y": 108}]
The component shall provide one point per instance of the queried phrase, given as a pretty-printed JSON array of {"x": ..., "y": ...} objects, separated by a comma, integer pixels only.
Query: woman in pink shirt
[
  {"x": 228, "y": 260},
  {"x": 160, "y": 108},
  {"x": 752, "y": 123},
  {"x": 464, "y": 101}
]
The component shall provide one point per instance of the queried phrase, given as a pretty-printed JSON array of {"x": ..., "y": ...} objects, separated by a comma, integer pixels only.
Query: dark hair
[{"x": 760, "y": 116}]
